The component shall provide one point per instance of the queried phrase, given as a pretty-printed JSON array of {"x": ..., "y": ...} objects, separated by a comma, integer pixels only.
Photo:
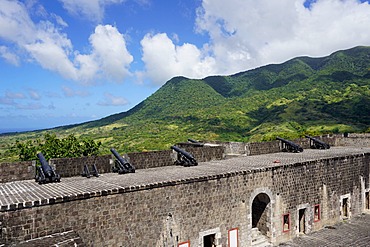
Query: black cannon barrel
[
  {"x": 45, "y": 173},
  {"x": 195, "y": 142},
  {"x": 317, "y": 144},
  {"x": 186, "y": 158},
  {"x": 290, "y": 146},
  {"x": 46, "y": 168},
  {"x": 118, "y": 156},
  {"x": 124, "y": 165}
]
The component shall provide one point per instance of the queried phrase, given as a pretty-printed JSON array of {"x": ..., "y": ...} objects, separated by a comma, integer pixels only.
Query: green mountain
[{"x": 301, "y": 96}]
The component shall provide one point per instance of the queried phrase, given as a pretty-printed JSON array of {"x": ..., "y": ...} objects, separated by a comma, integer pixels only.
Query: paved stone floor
[{"x": 354, "y": 232}]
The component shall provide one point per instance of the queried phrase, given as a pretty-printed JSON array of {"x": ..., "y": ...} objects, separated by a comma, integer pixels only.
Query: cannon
[
  {"x": 121, "y": 164},
  {"x": 45, "y": 173},
  {"x": 289, "y": 146},
  {"x": 86, "y": 172},
  {"x": 195, "y": 143},
  {"x": 317, "y": 144},
  {"x": 184, "y": 158}
]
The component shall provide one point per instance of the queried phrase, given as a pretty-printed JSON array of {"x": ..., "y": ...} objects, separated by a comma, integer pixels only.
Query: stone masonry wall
[
  {"x": 68, "y": 167},
  {"x": 178, "y": 211},
  {"x": 16, "y": 171},
  {"x": 204, "y": 153},
  {"x": 151, "y": 159}
]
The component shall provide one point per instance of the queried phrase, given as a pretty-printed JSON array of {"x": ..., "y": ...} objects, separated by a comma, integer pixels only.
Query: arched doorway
[{"x": 261, "y": 213}]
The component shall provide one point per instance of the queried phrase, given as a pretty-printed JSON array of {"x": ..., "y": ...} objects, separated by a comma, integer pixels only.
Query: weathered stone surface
[
  {"x": 167, "y": 205},
  {"x": 354, "y": 232}
]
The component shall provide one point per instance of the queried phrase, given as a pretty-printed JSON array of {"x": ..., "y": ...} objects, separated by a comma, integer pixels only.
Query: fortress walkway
[{"x": 27, "y": 193}]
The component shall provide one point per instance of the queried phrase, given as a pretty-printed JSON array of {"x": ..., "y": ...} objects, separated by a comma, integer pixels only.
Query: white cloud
[
  {"x": 111, "y": 100},
  {"x": 12, "y": 95},
  {"x": 90, "y": 9},
  {"x": 34, "y": 95},
  {"x": 47, "y": 45},
  {"x": 9, "y": 56},
  {"x": 245, "y": 34},
  {"x": 163, "y": 59},
  {"x": 69, "y": 92},
  {"x": 109, "y": 48},
  {"x": 248, "y": 33}
]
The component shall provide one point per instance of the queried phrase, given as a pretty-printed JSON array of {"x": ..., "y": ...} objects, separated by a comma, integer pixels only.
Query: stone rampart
[
  {"x": 68, "y": 167},
  {"x": 204, "y": 202},
  {"x": 16, "y": 171}
]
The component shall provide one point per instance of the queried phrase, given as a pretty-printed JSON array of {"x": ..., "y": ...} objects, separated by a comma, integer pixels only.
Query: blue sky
[{"x": 70, "y": 61}]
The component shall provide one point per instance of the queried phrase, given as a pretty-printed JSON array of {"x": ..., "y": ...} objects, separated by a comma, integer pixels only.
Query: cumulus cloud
[
  {"x": 46, "y": 44},
  {"x": 248, "y": 33},
  {"x": 111, "y": 100},
  {"x": 109, "y": 48},
  {"x": 163, "y": 59},
  {"x": 245, "y": 34}
]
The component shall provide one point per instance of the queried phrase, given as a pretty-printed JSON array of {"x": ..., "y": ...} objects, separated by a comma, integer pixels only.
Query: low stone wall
[
  {"x": 151, "y": 159},
  {"x": 68, "y": 167},
  {"x": 16, "y": 171},
  {"x": 255, "y": 148},
  {"x": 204, "y": 153}
]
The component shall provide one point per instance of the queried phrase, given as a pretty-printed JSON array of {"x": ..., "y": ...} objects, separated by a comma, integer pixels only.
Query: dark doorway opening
[
  {"x": 367, "y": 200},
  {"x": 345, "y": 207},
  {"x": 302, "y": 220},
  {"x": 209, "y": 240},
  {"x": 261, "y": 213}
]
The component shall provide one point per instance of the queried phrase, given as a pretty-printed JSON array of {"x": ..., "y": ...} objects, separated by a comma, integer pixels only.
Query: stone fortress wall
[
  {"x": 281, "y": 195},
  {"x": 69, "y": 167}
]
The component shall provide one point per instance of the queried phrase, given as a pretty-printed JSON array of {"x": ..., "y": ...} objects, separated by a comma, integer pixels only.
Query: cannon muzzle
[
  {"x": 45, "y": 173},
  {"x": 121, "y": 164},
  {"x": 184, "y": 158},
  {"x": 289, "y": 146}
]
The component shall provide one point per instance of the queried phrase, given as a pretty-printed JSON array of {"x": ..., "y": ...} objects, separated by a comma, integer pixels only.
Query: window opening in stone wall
[
  {"x": 286, "y": 222},
  {"x": 316, "y": 213},
  {"x": 302, "y": 220},
  {"x": 184, "y": 244},
  {"x": 233, "y": 238},
  {"x": 209, "y": 240},
  {"x": 367, "y": 200},
  {"x": 345, "y": 207}
]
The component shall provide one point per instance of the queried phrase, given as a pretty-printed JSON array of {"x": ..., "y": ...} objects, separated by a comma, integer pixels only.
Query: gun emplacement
[
  {"x": 45, "y": 173},
  {"x": 317, "y": 144},
  {"x": 289, "y": 146},
  {"x": 184, "y": 158},
  {"x": 195, "y": 143},
  {"x": 121, "y": 164}
]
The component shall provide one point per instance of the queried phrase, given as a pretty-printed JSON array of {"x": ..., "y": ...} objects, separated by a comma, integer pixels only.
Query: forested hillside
[{"x": 301, "y": 96}]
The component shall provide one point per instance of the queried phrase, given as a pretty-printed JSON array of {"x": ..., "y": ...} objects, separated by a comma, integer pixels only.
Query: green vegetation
[
  {"x": 53, "y": 147},
  {"x": 302, "y": 96}
]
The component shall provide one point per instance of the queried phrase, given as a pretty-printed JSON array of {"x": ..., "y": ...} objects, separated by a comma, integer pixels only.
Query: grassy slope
[{"x": 303, "y": 95}]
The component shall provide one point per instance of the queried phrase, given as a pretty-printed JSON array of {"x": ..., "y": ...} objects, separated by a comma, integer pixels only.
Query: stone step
[{"x": 258, "y": 239}]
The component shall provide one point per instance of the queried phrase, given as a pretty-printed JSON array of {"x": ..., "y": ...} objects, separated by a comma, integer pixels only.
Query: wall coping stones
[{"x": 19, "y": 195}]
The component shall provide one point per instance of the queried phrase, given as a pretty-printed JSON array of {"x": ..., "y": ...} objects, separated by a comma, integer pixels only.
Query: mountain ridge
[{"x": 303, "y": 95}]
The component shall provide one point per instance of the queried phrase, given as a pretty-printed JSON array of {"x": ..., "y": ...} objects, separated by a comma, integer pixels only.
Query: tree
[{"x": 53, "y": 147}]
